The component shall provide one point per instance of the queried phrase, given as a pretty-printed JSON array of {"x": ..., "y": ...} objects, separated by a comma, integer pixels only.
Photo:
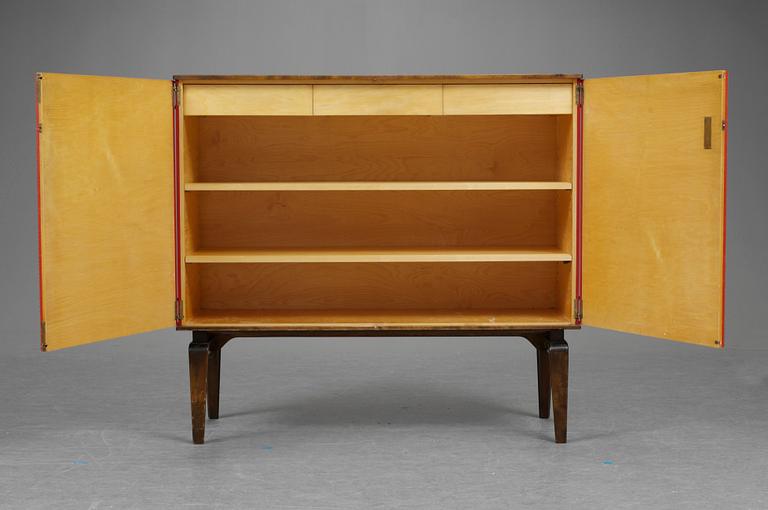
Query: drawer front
[
  {"x": 248, "y": 100},
  {"x": 378, "y": 100},
  {"x": 526, "y": 99}
]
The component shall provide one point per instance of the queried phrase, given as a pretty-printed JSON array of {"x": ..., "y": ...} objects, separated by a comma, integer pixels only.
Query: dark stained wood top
[{"x": 380, "y": 79}]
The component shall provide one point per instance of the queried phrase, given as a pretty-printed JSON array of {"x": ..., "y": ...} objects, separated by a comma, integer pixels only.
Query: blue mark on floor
[
  {"x": 608, "y": 462},
  {"x": 266, "y": 447}
]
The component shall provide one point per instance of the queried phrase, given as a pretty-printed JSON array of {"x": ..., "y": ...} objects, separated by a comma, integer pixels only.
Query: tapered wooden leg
[
  {"x": 214, "y": 381},
  {"x": 541, "y": 343},
  {"x": 558, "y": 366},
  {"x": 198, "y": 375},
  {"x": 542, "y": 362},
  {"x": 217, "y": 341}
]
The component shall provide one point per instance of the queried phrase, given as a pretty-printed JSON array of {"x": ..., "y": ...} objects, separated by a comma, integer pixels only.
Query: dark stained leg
[
  {"x": 541, "y": 342},
  {"x": 198, "y": 375},
  {"x": 214, "y": 381},
  {"x": 558, "y": 364},
  {"x": 214, "y": 373},
  {"x": 542, "y": 360}
]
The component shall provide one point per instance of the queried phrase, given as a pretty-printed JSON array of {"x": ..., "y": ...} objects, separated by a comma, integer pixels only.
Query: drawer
[
  {"x": 378, "y": 100},
  {"x": 248, "y": 100},
  {"x": 518, "y": 99}
]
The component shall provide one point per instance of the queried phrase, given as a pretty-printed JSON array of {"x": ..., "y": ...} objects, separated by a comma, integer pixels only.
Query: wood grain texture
[
  {"x": 463, "y": 237},
  {"x": 360, "y": 321},
  {"x": 378, "y": 99},
  {"x": 395, "y": 219},
  {"x": 376, "y": 186},
  {"x": 391, "y": 286},
  {"x": 106, "y": 187},
  {"x": 247, "y": 100},
  {"x": 528, "y": 99},
  {"x": 321, "y": 255},
  {"x": 188, "y": 151},
  {"x": 653, "y": 206},
  {"x": 378, "y": 79},
  {"x": 378, "y": 148}
]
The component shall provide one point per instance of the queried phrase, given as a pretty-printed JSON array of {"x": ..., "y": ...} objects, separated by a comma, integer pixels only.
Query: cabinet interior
[{"x": 345, "y": 222}]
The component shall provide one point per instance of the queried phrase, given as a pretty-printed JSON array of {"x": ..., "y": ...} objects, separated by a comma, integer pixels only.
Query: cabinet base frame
[{"x": 205, "y": 369}]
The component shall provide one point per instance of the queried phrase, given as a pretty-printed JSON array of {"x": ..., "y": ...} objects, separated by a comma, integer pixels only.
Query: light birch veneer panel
[
  {"x": 376, "y": 255},
  {"x": 247, "y": 100},
  {"x": 380, "y": 320},
  {"x": 377, "y": 186},
  {"x": 378, "y": 100},
  {"x": 654, "y": 206},
  {"x": 106, "y": 193},
  {"x": 533, "y": 99}
]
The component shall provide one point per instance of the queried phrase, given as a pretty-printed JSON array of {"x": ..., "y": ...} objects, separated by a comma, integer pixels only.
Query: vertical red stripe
[
  {"x": 38, "y": 94},
  {"x": 176, "y": 202},
  {"x": 725, "y": 198},
  {"x": 579, "y": 182}
]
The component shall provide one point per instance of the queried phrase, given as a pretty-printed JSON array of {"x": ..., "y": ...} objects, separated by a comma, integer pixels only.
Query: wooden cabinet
[{"x": 382, "y": 205}]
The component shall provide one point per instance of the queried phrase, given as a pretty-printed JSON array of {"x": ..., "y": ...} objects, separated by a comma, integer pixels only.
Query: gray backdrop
[
  {"x": 597, "y": 38},
  {"x": 427, "y": 423}
]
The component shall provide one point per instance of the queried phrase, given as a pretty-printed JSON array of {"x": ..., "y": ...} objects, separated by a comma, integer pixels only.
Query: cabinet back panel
[
  {"x": 379, "y": 148},
  {"x": 243, "y": 220},
  {"x": 396, "y": 286}
]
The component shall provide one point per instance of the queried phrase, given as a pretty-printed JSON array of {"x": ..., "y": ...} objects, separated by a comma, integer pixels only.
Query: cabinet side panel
[
  {"x": 654, "y": 182},
  {"x": 106, "y": 191}
]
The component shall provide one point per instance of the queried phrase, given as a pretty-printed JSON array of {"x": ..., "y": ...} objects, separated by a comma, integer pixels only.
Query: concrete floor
[{"x": 384, "y": 423}]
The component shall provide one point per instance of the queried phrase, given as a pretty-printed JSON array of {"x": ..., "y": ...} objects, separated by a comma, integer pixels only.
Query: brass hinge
[
  {"x": 580, "y": 94},
  {"x": 175, "y": 95},
  {"x": 179, "y": 309},
  {"x": 578, "y": 306},
  {"x": 43, "y": 345}
]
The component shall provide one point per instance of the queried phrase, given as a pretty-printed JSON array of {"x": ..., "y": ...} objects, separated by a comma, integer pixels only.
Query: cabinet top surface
[{"x": 391, "y": 79}]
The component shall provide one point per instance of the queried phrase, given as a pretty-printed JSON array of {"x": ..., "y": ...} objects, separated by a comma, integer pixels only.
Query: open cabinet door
[
  {"x": 106, "y": 188},
  {"x": 654, "y": 205}
]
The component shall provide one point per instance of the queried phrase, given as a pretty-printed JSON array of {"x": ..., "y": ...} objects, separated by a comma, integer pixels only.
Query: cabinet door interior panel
[
  {"x": 106, "y": 207},
  {"x": 654, "y": 205},
  {"x": 246, "y": 220},
  {"x": 381, "y": 148},
  {"x": 386, "y": 286}
]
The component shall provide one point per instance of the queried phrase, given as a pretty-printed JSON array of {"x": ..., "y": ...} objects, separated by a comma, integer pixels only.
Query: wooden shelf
[
  {"x": 377, "y": 186},
  {"x": 307, "y": 255},
  {"x": 376, "y": 319}
]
